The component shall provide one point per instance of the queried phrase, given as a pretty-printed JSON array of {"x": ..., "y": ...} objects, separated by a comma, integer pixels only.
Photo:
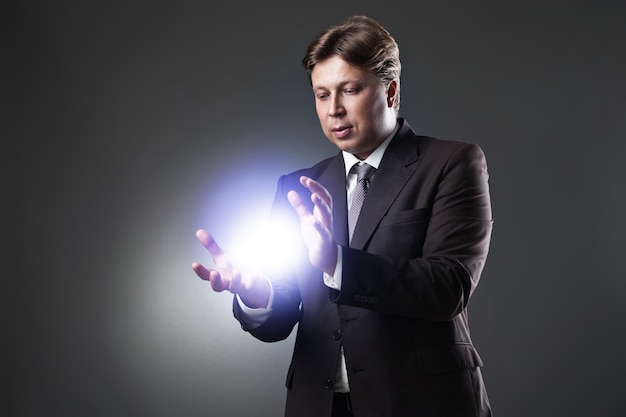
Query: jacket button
[
  {"x": 328, "y": 384},
  {"x": 337, "y": 334}
]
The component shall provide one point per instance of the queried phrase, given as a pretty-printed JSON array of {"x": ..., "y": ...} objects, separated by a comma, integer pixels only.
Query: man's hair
[{"x": 360, "y": 41}]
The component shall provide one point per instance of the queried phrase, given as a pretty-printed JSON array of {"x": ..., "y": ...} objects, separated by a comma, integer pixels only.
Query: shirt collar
[{"x": 374, "y": 158}]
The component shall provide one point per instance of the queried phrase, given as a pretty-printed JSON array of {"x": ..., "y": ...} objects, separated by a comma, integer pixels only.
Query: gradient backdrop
[{"x": 131, "y": 124}]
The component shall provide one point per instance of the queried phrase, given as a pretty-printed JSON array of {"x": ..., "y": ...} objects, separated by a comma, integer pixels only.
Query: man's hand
[
  {"x": 317, "y": 227},
  {"x": 253, "y": 288}
]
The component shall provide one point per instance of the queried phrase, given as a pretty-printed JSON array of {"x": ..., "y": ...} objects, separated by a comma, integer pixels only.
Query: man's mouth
[{"x": 341, "y": 131}]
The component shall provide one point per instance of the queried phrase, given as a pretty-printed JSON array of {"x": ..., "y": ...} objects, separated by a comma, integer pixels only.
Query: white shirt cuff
[
  {"x": 334, "y": 281},
  {"x": 254, "y": 317}
]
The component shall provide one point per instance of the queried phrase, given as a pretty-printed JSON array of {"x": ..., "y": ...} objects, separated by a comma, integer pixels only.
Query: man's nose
[{"x": 335, "y": 108}]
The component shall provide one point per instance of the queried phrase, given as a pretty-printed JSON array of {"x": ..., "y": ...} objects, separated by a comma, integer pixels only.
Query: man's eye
[{"x": 322, "y": 96}]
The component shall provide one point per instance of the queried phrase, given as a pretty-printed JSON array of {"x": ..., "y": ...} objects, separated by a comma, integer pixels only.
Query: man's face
[{"x": 354, "y": 107}]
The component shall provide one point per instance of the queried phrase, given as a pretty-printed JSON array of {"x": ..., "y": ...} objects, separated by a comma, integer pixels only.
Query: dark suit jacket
[{"x": 416, "y": 257}]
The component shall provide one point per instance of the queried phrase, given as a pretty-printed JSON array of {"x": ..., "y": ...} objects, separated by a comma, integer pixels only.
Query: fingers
[
  {"x": 322, "y": 202},
  {"x": 236, "y": 285},
  {"x": 218, "y": 283},
  {"x": 317, "y": 189},
  {"x": 320, "y": 197},
  {"x": 223, "y": 276},
  {"x": 296, "y": 202},
  {"x": 209, "y": 243},
  {"x": 322, "y": 211},
  {"x": 317, "y": 225},
  {"x": 220, "y": 258}
]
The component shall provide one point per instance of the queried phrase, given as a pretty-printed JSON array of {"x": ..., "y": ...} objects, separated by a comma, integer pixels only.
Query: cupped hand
[
  {"x": 252, "y": 287},
  {"x": 317, "y": 226}
]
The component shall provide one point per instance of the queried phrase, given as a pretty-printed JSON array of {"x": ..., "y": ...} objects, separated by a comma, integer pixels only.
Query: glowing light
[{"x": 263, "y": 244}]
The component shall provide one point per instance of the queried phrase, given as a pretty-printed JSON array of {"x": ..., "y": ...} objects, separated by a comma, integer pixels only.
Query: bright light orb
[{"x": 266, "y": 245}]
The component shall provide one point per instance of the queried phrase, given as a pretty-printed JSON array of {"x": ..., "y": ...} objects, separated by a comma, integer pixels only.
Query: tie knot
[{"x": 364, "y": 171}]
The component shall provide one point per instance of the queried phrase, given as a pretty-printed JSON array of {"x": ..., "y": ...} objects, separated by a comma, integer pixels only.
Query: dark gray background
[{"x": 131, "y": 124}]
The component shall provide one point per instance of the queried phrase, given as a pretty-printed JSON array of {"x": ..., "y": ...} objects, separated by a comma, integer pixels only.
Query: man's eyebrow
[{"x": 341, "y": 84}]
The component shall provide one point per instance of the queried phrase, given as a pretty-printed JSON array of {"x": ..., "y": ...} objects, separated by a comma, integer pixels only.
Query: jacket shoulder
[
  {"x": 315, "y": 170},
  {"x": 433, "y": 144},
  {"x": 292, "y": 179},
  {"x": 408, "y": 141}
]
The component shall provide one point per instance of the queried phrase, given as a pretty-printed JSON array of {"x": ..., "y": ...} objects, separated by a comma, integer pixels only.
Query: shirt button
[
  {"x": 337, "y": 334},
  {"x": 328, "y": 384}
]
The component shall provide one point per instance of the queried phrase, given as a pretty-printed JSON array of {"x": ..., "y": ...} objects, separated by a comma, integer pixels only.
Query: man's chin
[{"x": 346, "y": 145}]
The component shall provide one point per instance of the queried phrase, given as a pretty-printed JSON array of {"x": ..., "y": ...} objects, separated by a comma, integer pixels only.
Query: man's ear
[{"x": 392, "y": 93}]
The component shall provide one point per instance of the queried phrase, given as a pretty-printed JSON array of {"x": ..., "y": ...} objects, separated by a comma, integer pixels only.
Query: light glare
[{"x": 265, "y": 245}]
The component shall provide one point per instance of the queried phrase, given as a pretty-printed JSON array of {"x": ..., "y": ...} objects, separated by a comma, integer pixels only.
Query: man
[{"x": 381, "y": 311}]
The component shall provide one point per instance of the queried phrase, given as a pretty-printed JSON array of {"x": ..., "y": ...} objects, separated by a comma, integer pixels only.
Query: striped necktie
[{"x": 363, "y": 174}]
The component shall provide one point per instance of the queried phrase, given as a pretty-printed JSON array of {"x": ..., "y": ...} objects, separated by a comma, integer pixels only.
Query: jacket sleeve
[
  {"x": 426, "y": 262},
  {"x": 285, "y": 311}
]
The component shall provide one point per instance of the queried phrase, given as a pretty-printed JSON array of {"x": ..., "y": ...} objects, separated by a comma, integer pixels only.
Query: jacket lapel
[
  {"x": 334, "y": 179},
  {"x": 396, "y": 167}
]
